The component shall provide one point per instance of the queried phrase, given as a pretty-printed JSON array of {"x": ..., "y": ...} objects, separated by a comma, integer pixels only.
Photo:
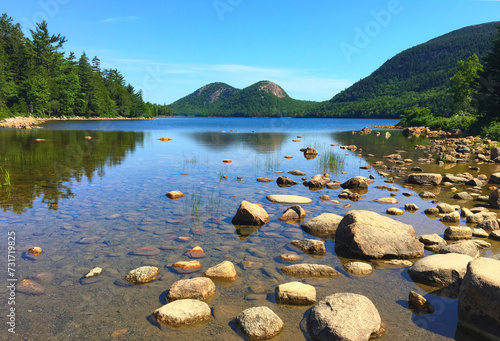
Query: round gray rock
[
  {"x": 222, "y": 271},
  {"x": 344, "y": 316},
  {"x": 371, "y": 235},
  {"x": 259, "y": 323},
  {"x": 142, "y": 275}
]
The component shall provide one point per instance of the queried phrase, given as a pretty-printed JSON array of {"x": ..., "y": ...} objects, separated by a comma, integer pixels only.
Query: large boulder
[
  {"x": 425, "y": 178},
  {"x": 259, "y": 323},
  {"x": 357, "y": 182},
  {"x": 199, "y": 288},
  {"x": 250, "y": 214},
  {"x": 479, "y": 298},
  {"x": 323, "y": 225},
  {"x": 457, "y": 233},
  {"x": 183, "y": 313},
  {"x": 371, "y": 235},
  {"x": 309, "y": 270},
  {"x": 344, "y": 316},
  {"x": 440, "y": 270}
]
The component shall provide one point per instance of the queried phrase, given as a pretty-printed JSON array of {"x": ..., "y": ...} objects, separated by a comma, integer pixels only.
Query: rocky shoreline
[{"x": 21, "y": 122}]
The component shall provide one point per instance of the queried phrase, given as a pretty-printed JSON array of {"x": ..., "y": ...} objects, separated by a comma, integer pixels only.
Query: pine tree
[{"x": 488, "y": 96}]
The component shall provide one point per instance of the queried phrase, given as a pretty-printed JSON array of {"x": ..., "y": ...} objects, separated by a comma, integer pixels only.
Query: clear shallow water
[{"x": 112, "y": 187}]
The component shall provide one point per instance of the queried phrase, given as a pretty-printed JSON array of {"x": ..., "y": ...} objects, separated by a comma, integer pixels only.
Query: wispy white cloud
[{"x": 119, "y": 19}]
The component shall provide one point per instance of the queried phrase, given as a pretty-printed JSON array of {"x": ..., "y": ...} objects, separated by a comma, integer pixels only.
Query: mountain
[
  {"x": 263, "y": 98},
  {"x": 416, "y": 76}
]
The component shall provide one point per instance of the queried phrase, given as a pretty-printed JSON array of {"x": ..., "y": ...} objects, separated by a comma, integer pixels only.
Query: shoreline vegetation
[{"x": 20, "y": 122}]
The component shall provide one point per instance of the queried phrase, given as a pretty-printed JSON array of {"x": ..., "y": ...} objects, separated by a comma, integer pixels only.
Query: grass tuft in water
[{"x": 330, "y": 162}]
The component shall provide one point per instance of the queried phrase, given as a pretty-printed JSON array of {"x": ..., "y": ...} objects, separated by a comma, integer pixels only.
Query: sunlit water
[{"x": 112, "y": 187}]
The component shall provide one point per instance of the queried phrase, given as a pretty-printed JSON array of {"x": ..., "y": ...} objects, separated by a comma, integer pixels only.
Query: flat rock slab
[
  {"x": 289, "y": 199},
  {"x": 323, "y": 225},
  {"x": 344, "y": 316},
  {"x": 198, "y": 288},
  {"x": 183, "y": 313},
  {"x": 432, "y": 242},
  {"x": 358, "y": 268},
  {"x": 479, "y": 298},
  {"x": 371, "y": 235},
  {"x": 295, "y": 293},
  {"x": 440, "y": 270},
  {"x": 388, "y": 200},
  {"x": 259, "y": 323},
  {"x": 309, "y": 270}
]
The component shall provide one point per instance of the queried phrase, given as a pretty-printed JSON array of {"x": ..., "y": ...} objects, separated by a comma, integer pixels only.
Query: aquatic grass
[
  {"x": 6, "y": 177},
  {"x": 330, "y": 162},
  {"x": 222, "y": 172},
  {"x": 193, "y": 160},
  {"x": 272, "y": 163}
]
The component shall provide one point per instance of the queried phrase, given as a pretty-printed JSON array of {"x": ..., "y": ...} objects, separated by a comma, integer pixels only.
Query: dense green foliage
[
  {"x": 476, "y": 98},
  {"x": 417, "y": 76},
  {"x": 36, "y": 78},
  {"x": 260, "y": 99}
]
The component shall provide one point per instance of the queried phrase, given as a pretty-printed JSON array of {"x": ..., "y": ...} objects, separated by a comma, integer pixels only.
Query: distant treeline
[{"x": 37, "y": 78}]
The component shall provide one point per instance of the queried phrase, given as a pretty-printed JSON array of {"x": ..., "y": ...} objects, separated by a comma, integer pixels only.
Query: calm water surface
[{"x": 111, "y": 188}]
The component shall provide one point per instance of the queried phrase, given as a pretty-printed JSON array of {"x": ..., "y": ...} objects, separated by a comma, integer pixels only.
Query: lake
[{"x": 89, "y": 193}]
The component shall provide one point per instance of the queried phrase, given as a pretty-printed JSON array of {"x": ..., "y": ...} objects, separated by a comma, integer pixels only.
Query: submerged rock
[
  {"x": 358, "y": 268},
  {"x": 28, "y": 287},
  {"x": 344, "y": 316},
  {"x": 183, "y": 313},
  {"x": 309, "y": 270}
]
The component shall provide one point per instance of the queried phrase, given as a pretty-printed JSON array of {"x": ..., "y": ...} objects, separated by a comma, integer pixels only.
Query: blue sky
[{"x": 170, "y": 48}]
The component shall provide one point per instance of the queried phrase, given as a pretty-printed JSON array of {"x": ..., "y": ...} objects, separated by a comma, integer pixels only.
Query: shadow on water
[{"x": 42, "y": 163}]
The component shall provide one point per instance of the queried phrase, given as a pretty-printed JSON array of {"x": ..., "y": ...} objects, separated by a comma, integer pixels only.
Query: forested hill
[
  {"x": 37, "y": 78},
  {"x": 263, "y": 98},
  {"x": 417, "y": 76}
]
